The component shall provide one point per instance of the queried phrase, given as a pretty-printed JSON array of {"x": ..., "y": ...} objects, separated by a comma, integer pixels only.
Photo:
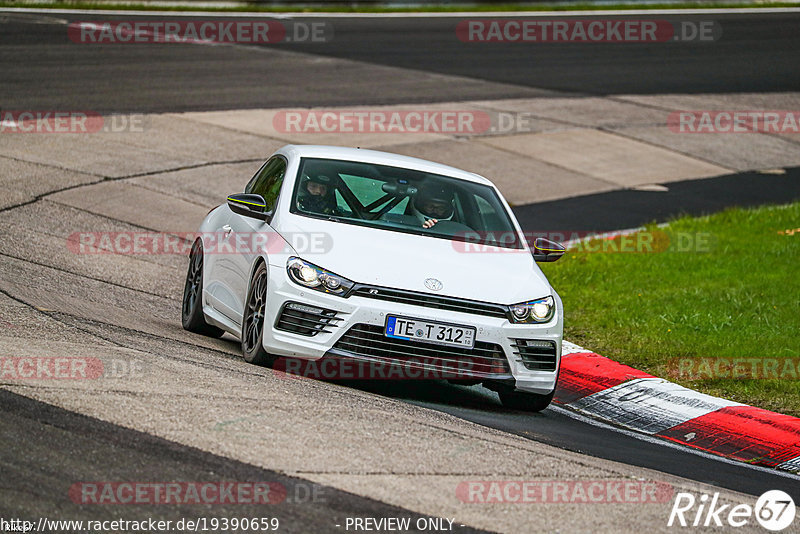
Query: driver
[
  {"x": 316, "y": 195},
  {"x": 433, "y": 203}
]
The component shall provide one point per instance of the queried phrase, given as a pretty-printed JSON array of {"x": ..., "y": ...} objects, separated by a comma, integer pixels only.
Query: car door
[
  {"x": 243, "y": 233},
  {"x": 214, "y": 288}
]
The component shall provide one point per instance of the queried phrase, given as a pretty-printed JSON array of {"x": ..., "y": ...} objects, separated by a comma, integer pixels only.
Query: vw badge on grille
[{"x": 433, "y": 284}]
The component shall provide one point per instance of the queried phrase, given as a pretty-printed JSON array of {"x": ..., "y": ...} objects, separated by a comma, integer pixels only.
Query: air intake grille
[
  {"x": 431, "y": 301},
  {"x": 485, "y": 360},
  {"x": 536, "y": 355},
  {"x": 306, "y": 320}
]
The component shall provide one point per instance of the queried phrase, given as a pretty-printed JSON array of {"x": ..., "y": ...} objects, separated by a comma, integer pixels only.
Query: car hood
[{"x": 404, "y": 261}]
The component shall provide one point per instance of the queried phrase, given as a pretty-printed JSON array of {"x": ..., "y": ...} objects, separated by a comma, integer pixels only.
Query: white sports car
[{"x": 354, "y": 255}]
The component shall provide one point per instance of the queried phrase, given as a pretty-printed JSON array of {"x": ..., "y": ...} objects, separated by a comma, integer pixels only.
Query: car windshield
[{"x": 402, "y": 200}]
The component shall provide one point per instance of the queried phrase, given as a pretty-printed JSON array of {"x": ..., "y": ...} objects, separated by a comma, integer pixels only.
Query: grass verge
[{"x": 707, "y": 317}]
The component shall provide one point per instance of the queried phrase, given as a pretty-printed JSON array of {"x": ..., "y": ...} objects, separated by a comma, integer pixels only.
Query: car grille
[
  {"x": 484, "y": 360},
  {"x": 436, "y": 302},
  {"x": 306, "y": 320},
  {"x": 536, "y": 355}
]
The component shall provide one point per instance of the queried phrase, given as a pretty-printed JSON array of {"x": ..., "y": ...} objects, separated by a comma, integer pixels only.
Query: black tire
[
  {"x": 192, "y": 317},
  {"x": 253, "y": 323},
  {"x": 526, "y": 402}
]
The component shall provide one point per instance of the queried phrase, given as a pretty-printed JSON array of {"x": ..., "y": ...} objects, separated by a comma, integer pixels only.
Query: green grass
[
  {"x": 349, "y": 8},
  {"x": 738, "y": 298}
]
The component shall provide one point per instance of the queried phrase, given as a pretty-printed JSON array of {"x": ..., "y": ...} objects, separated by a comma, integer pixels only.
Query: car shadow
[
  {"x": 434, "y": 393},
  {"x": 437, "y": 394}
]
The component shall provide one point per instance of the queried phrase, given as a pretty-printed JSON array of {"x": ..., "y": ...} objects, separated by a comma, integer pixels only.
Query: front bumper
[{"x": 360, "y": 310}]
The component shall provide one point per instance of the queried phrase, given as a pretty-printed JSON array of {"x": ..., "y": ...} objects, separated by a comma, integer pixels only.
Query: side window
[{"x": 268, "y": 181}]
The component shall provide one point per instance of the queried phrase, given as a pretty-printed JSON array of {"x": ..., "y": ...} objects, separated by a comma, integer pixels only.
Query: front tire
[
  {"x": 526, "y": 402},
  {"x": 192, "y": 317},
  {"x": 254, "y": 320}
]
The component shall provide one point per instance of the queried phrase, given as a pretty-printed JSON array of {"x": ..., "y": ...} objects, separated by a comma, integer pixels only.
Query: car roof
[{"x": 381, "y": 158}]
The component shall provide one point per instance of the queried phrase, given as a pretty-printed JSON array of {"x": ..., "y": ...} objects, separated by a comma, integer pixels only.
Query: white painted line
[
  {"x": 471, "y": 14},
  {"x": 665, "y": 443},
  {"x": 571, "y": 348},
  {"x": 616, "y": 12},
  {"x": 610, "y": 235},
  {"x": 604, "y": 235},
  {"x": 792, "y": 465},
  {"x": 649, "y": 405}
]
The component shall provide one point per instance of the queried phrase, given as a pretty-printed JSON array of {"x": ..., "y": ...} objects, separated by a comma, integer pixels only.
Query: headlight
[
  {"x": 309, "y": 275},
  {"x": 534, "y": 311}
]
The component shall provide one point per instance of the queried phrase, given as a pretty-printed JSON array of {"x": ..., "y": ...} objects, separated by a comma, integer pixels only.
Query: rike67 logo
[{"x": 774, "y": 510}]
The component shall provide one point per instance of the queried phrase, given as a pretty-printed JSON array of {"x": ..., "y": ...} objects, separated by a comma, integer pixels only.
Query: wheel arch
[
  {"x": 258, "y": 261},
  {"x": 205, "y": 272}
]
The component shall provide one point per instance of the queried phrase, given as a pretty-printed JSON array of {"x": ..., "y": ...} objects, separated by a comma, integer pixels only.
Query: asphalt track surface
[
  {"x": 30, "y": 429},
  {"x": 558, "y": 428},
  {"x": 600, "y": 212},
  {"x": 757, "y": 53}
]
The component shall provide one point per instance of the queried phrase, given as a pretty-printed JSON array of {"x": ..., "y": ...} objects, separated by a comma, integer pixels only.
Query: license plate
[{"x": 452, "y": 335}]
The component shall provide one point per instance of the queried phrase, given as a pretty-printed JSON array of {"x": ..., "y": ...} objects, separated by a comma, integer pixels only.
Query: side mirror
[
  {"x": 249, "y": 205},
  {"x": 546, "y": 250}
]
